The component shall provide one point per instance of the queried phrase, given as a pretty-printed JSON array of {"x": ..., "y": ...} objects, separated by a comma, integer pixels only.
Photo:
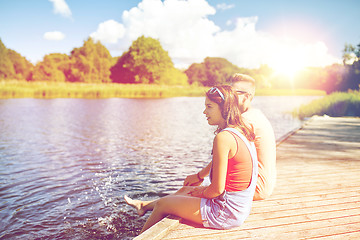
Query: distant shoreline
[{"x": 48, "y": 90}]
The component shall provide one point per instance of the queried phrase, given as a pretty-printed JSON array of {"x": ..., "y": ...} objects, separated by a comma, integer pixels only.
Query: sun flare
[
  {"x": 288, "y": 62},
  {"x": 288, "y": 68}
]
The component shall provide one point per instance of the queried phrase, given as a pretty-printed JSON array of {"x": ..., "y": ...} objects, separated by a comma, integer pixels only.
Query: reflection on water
[{"x": 66, "y": 163}]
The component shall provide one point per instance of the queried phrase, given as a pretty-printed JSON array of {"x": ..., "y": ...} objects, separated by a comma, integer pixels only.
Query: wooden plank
[
  {"x": 341, "y": 236},
  {"x": 290, "y": 206},
  {"x": 296, "y": 231},
  {"x": 301, "y": 215},
  {"x": 159, "y": 230},
  {"x": 314, "y": 191},
  {"x": 301, "y": 226},
  {"x": 263, "y": 226},
  {"x": 304, "y": 233}
]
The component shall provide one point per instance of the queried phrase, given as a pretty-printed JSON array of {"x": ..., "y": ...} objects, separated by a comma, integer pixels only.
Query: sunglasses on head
[
  {"x": 241, "y": 92},
  {"x": 216, "y": 90}
]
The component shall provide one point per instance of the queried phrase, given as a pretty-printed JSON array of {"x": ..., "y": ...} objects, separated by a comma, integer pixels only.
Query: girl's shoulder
[
  {"x": 233, "y": 133},
  {"x": 224, "y": 136},
  {"x": 232, "y": 130}
]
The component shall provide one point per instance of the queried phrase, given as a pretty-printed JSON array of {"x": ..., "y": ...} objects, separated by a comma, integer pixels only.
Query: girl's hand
[
  {"x": 192, "y": 180},
  {"x": 197, "y": 192}
]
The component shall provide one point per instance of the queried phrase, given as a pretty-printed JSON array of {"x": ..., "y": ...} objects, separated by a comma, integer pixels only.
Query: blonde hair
[
  {"x": 243, "y": 78},
  {"x": 230, "y": 109}
]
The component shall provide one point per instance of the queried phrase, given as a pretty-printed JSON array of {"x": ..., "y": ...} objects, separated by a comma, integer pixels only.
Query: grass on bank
[
  {"x": 289, "y": 92},
  {"x": 22, "y": 89},
  {"x": 337, "y": 104},
  {"x": 16, "y": 89}
]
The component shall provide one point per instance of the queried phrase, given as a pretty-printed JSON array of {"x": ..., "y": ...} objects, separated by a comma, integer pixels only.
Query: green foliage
[
  {"x": 351, "y": 60},
  {"x": 289, "y": 92},
  {"x": 173, "y": 76},
  {"x": 335, "y": 105},
  {"x": 7, "y": 62},
  {"x": 13, "y": 65},
  {"x": 262, "y": 76},
  {"x": 351, "y": 78},
  {"x": 349, "y": 54},
  {"x": 22, "y": 67},
  {"x": 21, "y": 89},
  {"x": 330, "y": 78},
  {"x": 212, "y": 71},
  {"x": 6, "y": 66},
  {"x": 90, "y": 63},
  {"x": 148, "y": 63},
  {"x": 53, "y": 68},
  {"x": 196, "y": 73}
]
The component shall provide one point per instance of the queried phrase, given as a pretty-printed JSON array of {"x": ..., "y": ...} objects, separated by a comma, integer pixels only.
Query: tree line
[{"x": 146, "y": 62}]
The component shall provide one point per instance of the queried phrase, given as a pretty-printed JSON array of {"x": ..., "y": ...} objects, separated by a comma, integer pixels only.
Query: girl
[{"x": 226, "y": 202}]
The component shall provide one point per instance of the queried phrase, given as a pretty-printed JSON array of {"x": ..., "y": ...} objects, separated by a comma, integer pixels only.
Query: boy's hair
[{"x": 243, "y": 78}]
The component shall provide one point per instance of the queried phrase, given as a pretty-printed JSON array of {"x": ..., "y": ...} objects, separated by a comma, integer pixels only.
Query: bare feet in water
[{"x": 137, "y": 204}]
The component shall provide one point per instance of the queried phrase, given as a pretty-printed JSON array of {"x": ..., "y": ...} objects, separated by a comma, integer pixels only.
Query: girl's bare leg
[
  {"x": 141, "y": 206},
  {"x": 186, "y": 207},
  {"x": 179, "y": 204}
]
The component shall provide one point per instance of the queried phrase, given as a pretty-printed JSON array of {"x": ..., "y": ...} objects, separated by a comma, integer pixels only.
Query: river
[{"x": 65, "y": 164}]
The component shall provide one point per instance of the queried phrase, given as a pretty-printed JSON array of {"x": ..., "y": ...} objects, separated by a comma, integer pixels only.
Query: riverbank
[
  {"x": 323, "y": 156},
  {"x": 46, "y": 90},
  {"x": 336, "y": 104}
]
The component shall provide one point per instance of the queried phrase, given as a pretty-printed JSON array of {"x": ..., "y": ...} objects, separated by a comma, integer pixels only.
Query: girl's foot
[{"x": 137, "y": 204}]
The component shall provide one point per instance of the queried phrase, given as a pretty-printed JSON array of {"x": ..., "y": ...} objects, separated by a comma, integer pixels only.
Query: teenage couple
[{"x": 243, "y": 166}]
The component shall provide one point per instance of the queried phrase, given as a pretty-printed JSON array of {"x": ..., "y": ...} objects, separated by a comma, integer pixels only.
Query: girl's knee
[
  {"x": 163, "y": 205},
  {"x": 181, "y": 190}
]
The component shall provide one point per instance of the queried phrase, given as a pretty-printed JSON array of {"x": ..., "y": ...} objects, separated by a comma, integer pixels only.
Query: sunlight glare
[{"x": 288, "y": 62}]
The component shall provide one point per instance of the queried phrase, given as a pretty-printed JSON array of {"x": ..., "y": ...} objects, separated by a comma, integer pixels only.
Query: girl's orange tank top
[{"x": 239, "y": 168}]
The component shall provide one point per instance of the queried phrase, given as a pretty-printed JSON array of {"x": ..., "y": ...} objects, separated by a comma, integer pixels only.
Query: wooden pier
[{"x": 317, "y": 195}]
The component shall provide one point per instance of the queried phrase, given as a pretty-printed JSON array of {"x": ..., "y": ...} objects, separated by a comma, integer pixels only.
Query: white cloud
[
  {"x": 247, "y": 47},
  {"x": 61, "y": 7},
  {"x": 184, "y": 30},
  {"x": 54, "y": 36},
  {"x": 228, "y": 23},
  {"x": 109, "y": 32},
  {"x": 181, "y": 26},
  {"x": 224, "y": 6}
]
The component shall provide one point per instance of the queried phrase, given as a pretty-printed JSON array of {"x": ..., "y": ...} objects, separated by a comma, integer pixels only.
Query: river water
[{"x": 65, "y": 164}]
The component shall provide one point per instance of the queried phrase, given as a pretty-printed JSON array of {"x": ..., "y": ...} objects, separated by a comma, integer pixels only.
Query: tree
[
  {"x": 329, "y": 78},
  {"x": 53, "y": 68},
  {"x": 90, "y": 63},
  {"x": 351, "y": 77},
  {"x": 22, "y": 67},
  {"x": 357, "y": 51},
  {"x": 7, "y": 70},
  {"x": 121, "y": 72},
  {"x": 349, "y": 54},
  {"x": 196, "y": 73},
  {"x": 146, "y": 62},
  {"x": 212, "y": 71},
  {"x": 335, "y": 78},
  {"x": 261, "y": 75}
]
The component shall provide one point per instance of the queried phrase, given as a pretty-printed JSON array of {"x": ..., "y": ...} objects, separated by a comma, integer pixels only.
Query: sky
[{"x": 283, "y": 34}]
